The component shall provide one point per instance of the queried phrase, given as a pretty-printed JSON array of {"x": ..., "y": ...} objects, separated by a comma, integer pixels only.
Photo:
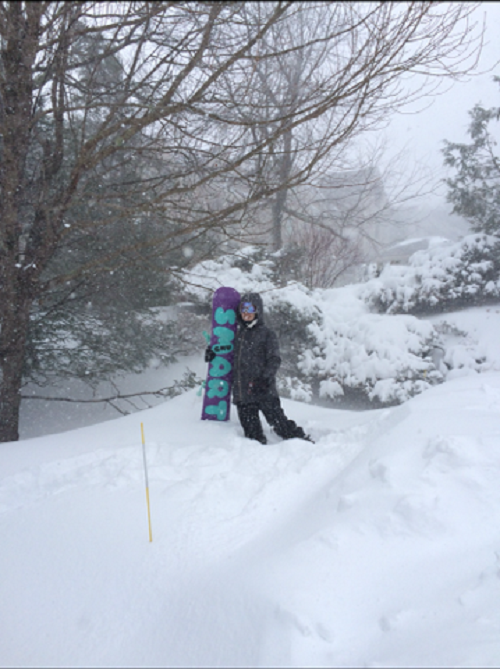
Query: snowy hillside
[{"x": 376, "y": 546}]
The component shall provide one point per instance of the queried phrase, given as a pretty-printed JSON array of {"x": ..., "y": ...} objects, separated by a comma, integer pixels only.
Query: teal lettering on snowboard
[
  {"x": 217, "y": 398},
  {"x": 220, "y": 366},
  {"x": 224, "y": 336},
  {"x": 218, "y": 410},
  {"x": 217, "y": 388},
  {"x": 224, "y": 316}
]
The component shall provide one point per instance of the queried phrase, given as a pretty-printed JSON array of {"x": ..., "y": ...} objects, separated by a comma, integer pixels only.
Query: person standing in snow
[{"x": 256, "y": 362}]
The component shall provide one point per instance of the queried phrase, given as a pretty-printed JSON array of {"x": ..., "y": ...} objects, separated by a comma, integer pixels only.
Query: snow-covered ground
[
  {"x": 41, "y": 417},
  {"x": 377, "y": 546}
]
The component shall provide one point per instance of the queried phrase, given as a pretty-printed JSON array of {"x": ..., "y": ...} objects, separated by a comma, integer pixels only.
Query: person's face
[{"x": 248, "y": 311}]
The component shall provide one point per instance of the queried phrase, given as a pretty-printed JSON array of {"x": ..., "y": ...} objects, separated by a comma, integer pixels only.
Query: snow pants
[{"x": 275, "y": 416}]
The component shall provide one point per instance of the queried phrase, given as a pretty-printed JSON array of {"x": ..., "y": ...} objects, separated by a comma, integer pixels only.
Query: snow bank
[{"x": 375, "y": 546}]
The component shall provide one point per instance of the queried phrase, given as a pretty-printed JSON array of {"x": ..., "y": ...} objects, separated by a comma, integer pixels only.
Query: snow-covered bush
[
  {"x": 289, "y": 306},
  {"x": 248, "y": 269},
  {"x": 357, "y": 355},
  {"x": 332, "y": 348},
  {"x": 442, "y": 278},
  {"x": 461, "y": 353},
  {"x": 295, "y": 388}
]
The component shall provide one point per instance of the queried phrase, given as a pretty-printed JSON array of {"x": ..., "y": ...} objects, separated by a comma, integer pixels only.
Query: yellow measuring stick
[{"x": 147, "y": 481}]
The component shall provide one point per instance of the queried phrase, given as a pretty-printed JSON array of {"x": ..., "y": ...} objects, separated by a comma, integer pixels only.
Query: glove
[
  {"x": 209, "y": 354},
  {"x": 259, "y": 386}
]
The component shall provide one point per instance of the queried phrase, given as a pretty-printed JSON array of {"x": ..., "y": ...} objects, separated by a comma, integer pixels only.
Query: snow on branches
[{"x": 444, "y": 277}]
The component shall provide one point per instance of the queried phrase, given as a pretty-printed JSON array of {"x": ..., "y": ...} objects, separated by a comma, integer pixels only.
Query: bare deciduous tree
[
  {"x": 326, "y": 255},
  {"x": 358, "y": 51},
  {"x": 88, "y": 88}
]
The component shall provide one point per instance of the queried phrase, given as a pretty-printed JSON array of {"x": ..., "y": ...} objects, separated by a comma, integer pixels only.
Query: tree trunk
[
  {"x": 16, "y": 283},
  {"x": 285, "y": 170},
  {"x": 278, "y": 207},
  {"x": 13, "y": 335}
]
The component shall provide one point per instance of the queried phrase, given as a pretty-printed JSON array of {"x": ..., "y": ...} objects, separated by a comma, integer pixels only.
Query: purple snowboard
[{"x": 217, "y": 396}]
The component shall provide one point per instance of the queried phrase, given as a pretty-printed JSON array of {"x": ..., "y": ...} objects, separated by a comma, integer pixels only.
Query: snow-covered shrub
[
  {"x": 332, "y": 348},
  {"x": 247, "y": 270},
  {"x": 442, "y": 278},
  {"x": 295, "y": 388},
  {"x": 289, "y": 308},
  {"x": 383, "y": 359},
  {"x": 461, "y": 353}
]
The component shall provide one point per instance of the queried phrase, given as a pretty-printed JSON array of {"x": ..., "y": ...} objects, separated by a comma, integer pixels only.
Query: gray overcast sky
[{"x": 445, "y": 116}]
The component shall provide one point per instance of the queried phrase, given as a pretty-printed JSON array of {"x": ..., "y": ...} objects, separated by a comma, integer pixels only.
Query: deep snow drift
[{"x": 376, "y": 546}]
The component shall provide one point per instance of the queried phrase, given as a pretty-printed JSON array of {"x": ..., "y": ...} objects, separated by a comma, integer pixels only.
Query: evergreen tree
[{"x": 474, "y": 190}]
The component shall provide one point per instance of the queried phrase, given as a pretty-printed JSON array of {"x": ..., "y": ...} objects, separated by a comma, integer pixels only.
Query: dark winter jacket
[{"x": 256, "y": 357}]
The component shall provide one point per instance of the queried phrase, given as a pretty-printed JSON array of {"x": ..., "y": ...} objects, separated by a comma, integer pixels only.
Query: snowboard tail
[{"x": 217, "y": 395}]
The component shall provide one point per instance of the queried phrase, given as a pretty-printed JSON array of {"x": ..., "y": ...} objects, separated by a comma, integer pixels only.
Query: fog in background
[{"x": 414, "y": 138}]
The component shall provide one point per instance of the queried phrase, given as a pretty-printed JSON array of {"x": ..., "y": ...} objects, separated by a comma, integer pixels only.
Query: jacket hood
[{"x": 256, "y": 300}]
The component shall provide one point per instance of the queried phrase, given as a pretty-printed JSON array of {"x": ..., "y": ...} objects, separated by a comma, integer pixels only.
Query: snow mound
[{"x": 375, "y": 546}]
